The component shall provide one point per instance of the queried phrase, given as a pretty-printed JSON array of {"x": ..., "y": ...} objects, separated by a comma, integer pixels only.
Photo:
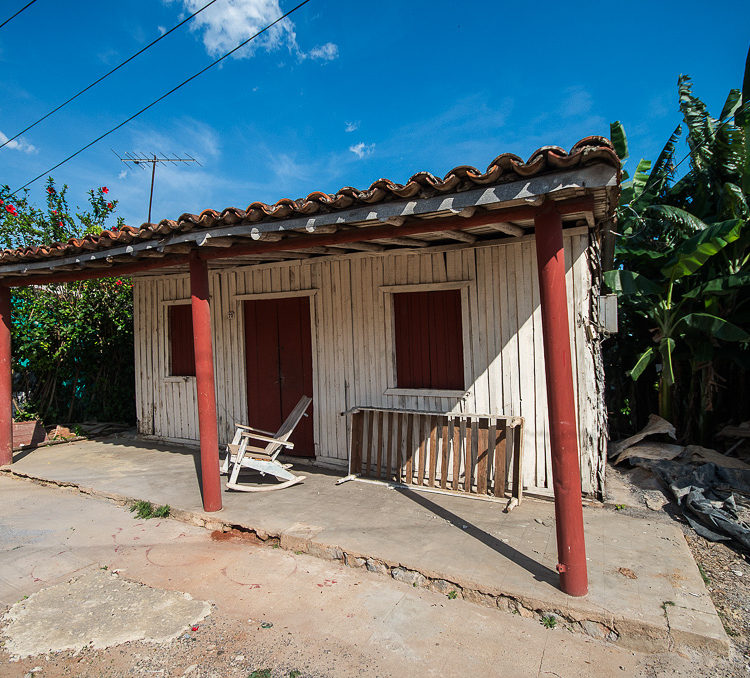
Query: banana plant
[
  {"x": 682, "y": 272},
  {"x": 669, "y": 302}
]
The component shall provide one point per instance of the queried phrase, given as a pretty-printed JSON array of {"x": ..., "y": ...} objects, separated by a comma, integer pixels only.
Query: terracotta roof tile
[{"x": 504, "y": 168}]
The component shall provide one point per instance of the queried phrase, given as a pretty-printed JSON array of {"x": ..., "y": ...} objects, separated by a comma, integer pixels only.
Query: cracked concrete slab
[{"x": 98, "y": 610}]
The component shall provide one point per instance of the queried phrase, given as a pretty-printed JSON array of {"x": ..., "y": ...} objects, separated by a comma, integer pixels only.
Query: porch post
[
  {"x": 204, "y": 379},
  {"x": 6, "y": 380},
  {"x": 566, "y": 474}
]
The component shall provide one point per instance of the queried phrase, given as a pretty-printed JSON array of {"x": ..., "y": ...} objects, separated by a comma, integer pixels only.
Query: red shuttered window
[
  {"x": 181, "y": 340},
  {"x": 429, "y": 340}
]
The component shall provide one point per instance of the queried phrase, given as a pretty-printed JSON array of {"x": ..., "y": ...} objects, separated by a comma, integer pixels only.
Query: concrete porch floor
[{"x": 645, "y": 590}]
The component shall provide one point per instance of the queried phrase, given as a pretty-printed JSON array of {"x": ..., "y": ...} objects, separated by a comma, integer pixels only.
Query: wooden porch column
[
  {"x": 566, "y": 473},
  {"x": 6, "y": 380},
  {"x": 204, "y": 380}
]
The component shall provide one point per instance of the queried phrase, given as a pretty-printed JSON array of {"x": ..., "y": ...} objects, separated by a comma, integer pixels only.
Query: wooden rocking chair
[{"x": 240, "y": 454}]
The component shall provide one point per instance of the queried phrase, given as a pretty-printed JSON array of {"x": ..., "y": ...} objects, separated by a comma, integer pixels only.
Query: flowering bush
[{"x": 72, "y": 343}]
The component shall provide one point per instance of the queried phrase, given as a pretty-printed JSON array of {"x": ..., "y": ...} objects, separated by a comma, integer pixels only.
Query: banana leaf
[
  {"x": 624, "y": 283},
  {"x": 684, "y": 220},
  {"x": 619, "y": 140},
  {"x": 715, "y": 327},
  {"x": 644, "y": 361},
  {"x": 733, "y": 102},
  {"x": 720, "y": 286},
  {"x": 696, "y": 251},
  {"x": 662, "y": 171},
  {"x": 640, "y": 179}
]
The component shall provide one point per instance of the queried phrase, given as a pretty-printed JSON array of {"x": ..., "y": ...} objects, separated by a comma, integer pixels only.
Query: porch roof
[{"x": 465, "y": 206}]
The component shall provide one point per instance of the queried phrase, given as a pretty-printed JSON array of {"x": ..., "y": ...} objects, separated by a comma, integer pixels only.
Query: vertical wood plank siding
[{"x": 353, "y": 358}]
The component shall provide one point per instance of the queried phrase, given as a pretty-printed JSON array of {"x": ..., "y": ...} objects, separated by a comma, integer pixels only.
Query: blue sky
[{"x": 344, "y": 93}]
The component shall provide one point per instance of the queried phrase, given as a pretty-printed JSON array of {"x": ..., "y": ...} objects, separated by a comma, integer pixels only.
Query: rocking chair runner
[{"x": 240, "y": 454}]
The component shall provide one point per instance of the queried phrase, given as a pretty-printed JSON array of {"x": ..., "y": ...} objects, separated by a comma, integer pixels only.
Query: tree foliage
[
  {"x": 73, "y": 342},
  {"x": 682, "y": 273}
]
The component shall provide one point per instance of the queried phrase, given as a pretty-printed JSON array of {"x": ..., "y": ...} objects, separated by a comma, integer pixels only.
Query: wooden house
[{"x": 468, "y": 304}]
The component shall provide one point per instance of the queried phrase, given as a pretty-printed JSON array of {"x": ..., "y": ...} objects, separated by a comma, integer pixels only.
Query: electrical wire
[
  {"x": 26, "y": 6},
  {"x": 163, "y": 96},
  {"x": 106, "y": 75}
]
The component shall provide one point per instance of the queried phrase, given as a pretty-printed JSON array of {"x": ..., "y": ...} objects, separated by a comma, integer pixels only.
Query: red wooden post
[
  {"x": 6, "y": 380},
  {"x": 566, "y": 474},
  {"x": 204, "y": 379}
]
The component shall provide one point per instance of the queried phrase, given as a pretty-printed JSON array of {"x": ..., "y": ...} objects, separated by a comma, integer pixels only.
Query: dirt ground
[{"x": 725, "y": 570}]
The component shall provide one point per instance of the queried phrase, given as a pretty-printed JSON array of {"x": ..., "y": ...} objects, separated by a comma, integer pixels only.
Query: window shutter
[
  {"x": 429, "y": 340},
  {"x": 181, "y": 340}
]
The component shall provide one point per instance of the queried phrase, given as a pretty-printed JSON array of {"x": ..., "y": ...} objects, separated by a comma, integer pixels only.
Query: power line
[
  {"x": 106, "y": 75},
  {"x": 26, "y": 6},
  {"x": 163, "y": 96}
]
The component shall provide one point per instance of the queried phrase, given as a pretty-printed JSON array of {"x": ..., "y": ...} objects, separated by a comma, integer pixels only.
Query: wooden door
[{"x": 278, "y": 359}]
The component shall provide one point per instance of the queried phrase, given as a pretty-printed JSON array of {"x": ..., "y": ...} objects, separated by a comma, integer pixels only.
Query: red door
[{"x": 278, "y": 359}]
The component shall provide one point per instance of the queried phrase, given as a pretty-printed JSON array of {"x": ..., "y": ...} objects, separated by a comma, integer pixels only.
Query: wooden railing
[{"x": 468, "y": 453}]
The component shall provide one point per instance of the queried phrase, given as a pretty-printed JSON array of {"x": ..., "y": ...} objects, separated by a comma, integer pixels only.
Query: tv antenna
[{"x": 142, "y": 160}]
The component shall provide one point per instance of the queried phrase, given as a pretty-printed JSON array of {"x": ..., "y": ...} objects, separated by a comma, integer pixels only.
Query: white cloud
[
  {"x": 327, "y": 52},
  {"x": 226, "y": 24},
  {"x": 578, "y": 102},
  {"x": 362, "y": 150},
  {"x": 122, "y": 174},
  {"x": 19, "y": 144},
  {"x": 161, "y": 30},
  {"x": 351, "y": 126}
]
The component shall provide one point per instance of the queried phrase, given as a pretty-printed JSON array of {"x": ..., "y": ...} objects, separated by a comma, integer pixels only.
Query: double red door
[{"x": 278, "y": 359}]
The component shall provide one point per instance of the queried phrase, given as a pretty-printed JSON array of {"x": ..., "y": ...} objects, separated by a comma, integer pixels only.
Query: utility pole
[{"x": 143, "y": 160}]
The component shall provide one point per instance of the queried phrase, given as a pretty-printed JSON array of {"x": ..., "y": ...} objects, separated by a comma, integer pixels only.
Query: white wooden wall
[{"x": 352, "y": 346}]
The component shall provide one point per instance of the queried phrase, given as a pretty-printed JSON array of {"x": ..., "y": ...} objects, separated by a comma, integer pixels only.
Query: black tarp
[{"x": 710, "y": 497}]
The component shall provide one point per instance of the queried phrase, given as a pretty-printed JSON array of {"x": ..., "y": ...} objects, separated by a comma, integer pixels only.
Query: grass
[
  {"x": 260, "y": 673},
  {"x": 620, "y": 507},
  {"x": 666, "y": 603},
  {"x": 146, "y": 510},
  {"x": 706, "y": 579},
  {"x": 548, "y": 621},
  {"x": 452, "y": 595}
]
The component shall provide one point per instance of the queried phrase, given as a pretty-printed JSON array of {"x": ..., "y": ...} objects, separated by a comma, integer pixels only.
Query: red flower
[
  {"x": 54, "y": 211},
  {"x": 105, "y": 189},
  {"x": 110, "y": 206},
  {"x": 118, "y": 282},
  {"x": 50, "y": 190},
  {"x": 60, "y": 224},
  {"x": 194, "y": 628},
  {"x": 11, "y": 210}
]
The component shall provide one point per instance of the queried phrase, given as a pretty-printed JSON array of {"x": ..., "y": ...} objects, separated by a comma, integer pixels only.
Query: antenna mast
[{"x": 142, "y": 160}]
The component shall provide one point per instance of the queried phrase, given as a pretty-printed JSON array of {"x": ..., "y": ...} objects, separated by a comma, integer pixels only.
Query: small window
[
  {"x": 181, "y": 340},
  {"x": 429, "y": 340}
]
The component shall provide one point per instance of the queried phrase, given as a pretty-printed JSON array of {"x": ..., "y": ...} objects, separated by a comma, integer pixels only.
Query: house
[{"x": 439, "y": 296}]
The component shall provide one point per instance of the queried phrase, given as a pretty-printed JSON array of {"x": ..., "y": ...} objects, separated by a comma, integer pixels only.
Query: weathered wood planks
[
  {"x": 353, "y": 365},
  {"x": 437, "y": 447}
]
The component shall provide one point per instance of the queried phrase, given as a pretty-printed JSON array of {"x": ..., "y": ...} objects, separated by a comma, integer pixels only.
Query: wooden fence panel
[{"x": 466, "y": 453}]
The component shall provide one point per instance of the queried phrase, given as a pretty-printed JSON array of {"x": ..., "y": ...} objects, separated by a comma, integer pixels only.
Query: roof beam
[
  {"x": 508, "y": 228},
  {"x": 460, "y": 236},
  {"x": 405, "y": 242},
  {"x": 361, "y": 246}
]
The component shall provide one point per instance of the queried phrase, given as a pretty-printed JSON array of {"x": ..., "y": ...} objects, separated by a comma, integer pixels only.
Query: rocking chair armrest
[
  {"x": 257, "y": 430},
  {"x": 267, "y": 439}
]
